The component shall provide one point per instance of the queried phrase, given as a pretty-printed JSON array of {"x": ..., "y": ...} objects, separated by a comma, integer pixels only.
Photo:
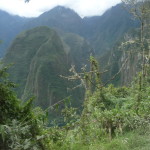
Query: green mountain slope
[
  {"x": 126, "y": 58},
  {"x": 39, "y": 58},
  {"x": 102, "y": 32},
  {"x": 109, "y": 28},
  {"x": 59, "y": 17},
  {"x": 76, "y": 47},
  {"x": 10, "y": 26}
]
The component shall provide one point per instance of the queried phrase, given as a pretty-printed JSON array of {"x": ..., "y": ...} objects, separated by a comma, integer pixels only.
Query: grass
[{"x": 135, "y": 140}]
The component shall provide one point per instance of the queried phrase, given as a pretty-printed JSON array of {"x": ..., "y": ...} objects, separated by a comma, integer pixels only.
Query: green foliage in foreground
[
  {"x": 135, "y": 140},
  {"x": 21, "y": 126},
  {"x": 112, "y": 118}
]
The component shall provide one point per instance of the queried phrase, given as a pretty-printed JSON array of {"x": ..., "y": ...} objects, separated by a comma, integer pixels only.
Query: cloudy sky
[{"x": 36, "y": 7}]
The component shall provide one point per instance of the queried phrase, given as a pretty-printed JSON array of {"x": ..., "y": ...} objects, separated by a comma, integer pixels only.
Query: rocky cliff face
[{"x": 127, "y": 57}]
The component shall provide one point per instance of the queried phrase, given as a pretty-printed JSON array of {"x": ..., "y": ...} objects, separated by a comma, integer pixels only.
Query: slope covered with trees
[
  {"x": 10, "y": 27},
  {"x": 102, "y": 32},
  {"x": 38, "y": 57},
  {"x": 111, "y": 118},
  {"x": 132, "y": 50}
]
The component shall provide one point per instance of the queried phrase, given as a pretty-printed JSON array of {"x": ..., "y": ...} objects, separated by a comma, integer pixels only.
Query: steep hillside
[
  {"x": 102, "y": 32},
  {"x": 39, "y": 58},
  {"x": 59, "y": 17},
  {"x": 76, "y": 47},
  {"x": 80, "y": 37},
  {"x": 109, "y": 28},
  {"x": 126, "y": 58},
  {"x": 10, "y": 26}
]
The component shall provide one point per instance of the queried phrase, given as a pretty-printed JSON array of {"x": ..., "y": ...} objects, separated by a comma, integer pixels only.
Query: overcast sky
[{"x": 36, "y": 7}]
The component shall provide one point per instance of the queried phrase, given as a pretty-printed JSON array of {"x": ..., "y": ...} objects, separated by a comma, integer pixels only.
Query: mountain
[
  {"x": 80, "y": 37},
  {"x": 10, "y": 26},
  {"x": 76, "y": 47},
  {"x": 59, "y": 17},
  {"x": 106, "y": 30},
  {"x": 126, "y": 58},
  {"x": 102, "y": 32},
  {"x": 39, "y": 57}
]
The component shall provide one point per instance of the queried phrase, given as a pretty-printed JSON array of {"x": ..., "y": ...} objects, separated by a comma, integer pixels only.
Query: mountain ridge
[
  {"x": 97, "y": 30},
  {"x": 10, "y": 26}
]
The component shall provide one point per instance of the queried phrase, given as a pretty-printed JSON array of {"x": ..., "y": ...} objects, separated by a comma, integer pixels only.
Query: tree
[
  {"x": 21, "y": 127},
  {"x": 141, "y": 11}
]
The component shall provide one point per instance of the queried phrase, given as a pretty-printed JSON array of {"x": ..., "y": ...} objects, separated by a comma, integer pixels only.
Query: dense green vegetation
[
  {"x": 38, "y": 61},
  {"x": 20, "y": 124},
  {"x": 102, "y": 32},
  {"x": 111, "y": 118},
  {"x": 41, "y": 56}
]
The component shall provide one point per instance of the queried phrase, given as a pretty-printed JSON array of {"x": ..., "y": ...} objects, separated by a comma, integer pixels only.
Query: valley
[{"x": 70, "y": 83}]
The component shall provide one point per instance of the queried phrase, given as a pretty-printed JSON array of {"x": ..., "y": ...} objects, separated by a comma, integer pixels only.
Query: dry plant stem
[
  {"x": 117, "y": 72},
  {"x": 59, "y": 102}
]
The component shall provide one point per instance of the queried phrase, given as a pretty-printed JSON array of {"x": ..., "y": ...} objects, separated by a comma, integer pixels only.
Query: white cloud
[{"x": 36, "y": 7}]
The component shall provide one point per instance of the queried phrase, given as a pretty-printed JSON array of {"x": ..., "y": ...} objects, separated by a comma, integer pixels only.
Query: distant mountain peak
[
  {"x": 62, "y": 11},
  {"x": 60, "y": 8}
]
